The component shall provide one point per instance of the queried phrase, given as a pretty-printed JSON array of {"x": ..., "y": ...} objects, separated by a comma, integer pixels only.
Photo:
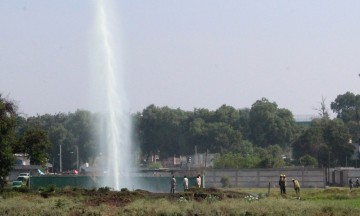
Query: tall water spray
[{"x": 116, "y": 144}]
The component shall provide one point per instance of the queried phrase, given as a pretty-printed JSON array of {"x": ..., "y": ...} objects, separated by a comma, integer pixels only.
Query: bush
[
  {"x": 104, "y": 189},
  {"x": 124, "y": 190},
  {"x": 225, "y": 181},
  {"x": 308, "y": 160},
  {"x": 22, "y": 189},
  {"x": 155, "y": 165}
]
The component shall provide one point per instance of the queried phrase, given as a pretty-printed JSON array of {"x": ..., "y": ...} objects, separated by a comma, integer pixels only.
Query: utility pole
[
  {"x": 328, "y": 171},
  {"x": 60, "y": 160},
  {"x": 77, "y": 157},
  {"x": 346, "y": 160}
]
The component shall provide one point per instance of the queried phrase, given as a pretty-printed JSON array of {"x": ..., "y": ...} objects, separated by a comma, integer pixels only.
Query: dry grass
[{"x": 333, "y": 201}]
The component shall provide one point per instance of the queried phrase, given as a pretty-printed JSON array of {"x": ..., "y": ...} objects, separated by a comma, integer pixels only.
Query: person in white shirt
[
  {"x": 198, "y": 181},
  {"x": 173, "y": 184},
  {"x": 186, "y": 183}
]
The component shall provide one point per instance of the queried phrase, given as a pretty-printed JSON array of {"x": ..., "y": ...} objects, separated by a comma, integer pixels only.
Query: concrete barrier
[{"x": 307, "y": 177}]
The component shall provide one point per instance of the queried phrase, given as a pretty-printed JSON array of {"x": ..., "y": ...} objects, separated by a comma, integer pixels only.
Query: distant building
[
  {"x": 204, "y": 160},
  {"x": 200, "y": 160},
  {"x": 22, "y": 159},
  {"x": 22, "y": 165},
  {"x": 304, "y": 120}
]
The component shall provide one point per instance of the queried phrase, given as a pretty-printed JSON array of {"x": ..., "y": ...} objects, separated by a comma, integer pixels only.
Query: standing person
[
  {"x": 198, "y": 181},
  {"x": 280, "y": 184},
  {"x": 357, "y": 183},
  {"x": 296, "y": 187},
  {"x": 283, "y": 184},
  {"x": 350, "y": 184},
  {"x": 186, "y": 183},
  {"x": 173, "y": 184}
]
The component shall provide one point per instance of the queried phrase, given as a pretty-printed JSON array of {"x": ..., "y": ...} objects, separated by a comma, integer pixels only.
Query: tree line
[{"x": 263, "y": 135}]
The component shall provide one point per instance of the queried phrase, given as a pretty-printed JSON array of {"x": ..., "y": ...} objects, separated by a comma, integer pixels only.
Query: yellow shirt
[{"x": 296, "y": 184}]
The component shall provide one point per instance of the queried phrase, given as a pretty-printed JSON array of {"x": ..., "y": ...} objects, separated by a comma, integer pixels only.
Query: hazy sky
[{"x": 183, "y": 54}]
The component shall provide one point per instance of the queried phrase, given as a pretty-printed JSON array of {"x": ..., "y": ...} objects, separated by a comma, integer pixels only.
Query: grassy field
[{"x": 72, "y": 201}]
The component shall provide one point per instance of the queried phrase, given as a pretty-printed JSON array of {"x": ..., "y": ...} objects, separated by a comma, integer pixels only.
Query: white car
[{"x": 24, "y": 174}]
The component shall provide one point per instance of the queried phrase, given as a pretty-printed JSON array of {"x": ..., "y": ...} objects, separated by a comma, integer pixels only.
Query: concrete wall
[
  {"x": 343, "y": 174},
  {"x": 14, "y": 173},
  {"x": 308, "y": 177},
  {"x": 153, "y": 184}
]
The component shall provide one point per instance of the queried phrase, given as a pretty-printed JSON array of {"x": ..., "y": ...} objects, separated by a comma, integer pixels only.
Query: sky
[{"x": 182, "y": 54}]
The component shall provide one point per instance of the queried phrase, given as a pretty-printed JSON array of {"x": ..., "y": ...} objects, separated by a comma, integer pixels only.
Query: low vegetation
[{"x": 74, "y": 201}]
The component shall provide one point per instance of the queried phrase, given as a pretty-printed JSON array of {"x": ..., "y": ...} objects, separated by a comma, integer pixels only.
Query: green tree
[
  {"x": 347, "y": 107},
  {"x": 325, "y": 140},
  {"x": 7, "y": 137},
  {"x": 36, "y": 144},
  {"x": 82, "y": 134},
  {"x": 236, "y": 160},
  {"x": 222, "y": 138},
  {"x": 270, "y": 125},
  {"x": 244, "y": 123},
  {"x": 54, "y": 125},
  {"x": 270, "y": 157},
  {"x": 228, "y": 115},
  {"x": 311, "y": 140},
  {"x": 308, "y": 160},
  {"x": 58, "y": 135},
  {"x": 337, "y": 137},
  {"x": 163, "y": 131}
]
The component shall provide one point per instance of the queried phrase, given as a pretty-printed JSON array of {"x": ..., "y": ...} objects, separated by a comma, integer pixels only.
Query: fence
[
  {"x": 308, "y": 177},
  {"x": 153, "y": 184}
]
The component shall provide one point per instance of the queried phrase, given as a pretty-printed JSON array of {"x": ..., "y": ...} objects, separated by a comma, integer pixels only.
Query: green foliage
[
  {"x": 84, "y": 135},
  {"x": 308, "y": 160},
  {"x": 104, "y": 189},
  {"x": 211, "y": 198},
  {"x": 71, "y": 131},
  {"x": 270, "y": 125},
  {"x": 235, "y": 161},
  {"x": 325, "y": 140},
  {"x": 161, "y": 126},
  {"x": 48, "y": 189},
  {"x": 225, "y": 181},
  {"x": 124, "y": 190},
  {"x": 347, "y": 107},
  {"x": 270, "y": 157},
  {"x": 59, "y": 203},
  {"x": 22, "y": 189},
  {"x": 35, "y": 142},
  {"x": 333, "y": 201},
  {"x": 155, "y": 165},
  {"x": 169, "y": 132},
  {"x": 7, "y": 138}
]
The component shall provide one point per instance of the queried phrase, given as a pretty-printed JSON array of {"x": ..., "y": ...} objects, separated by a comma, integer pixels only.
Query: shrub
[
  {"x": 124, "y": 190},
  {"x": 22, "y": 189},
  {"x": 212, "y": 198},
  {"x": 104, "y": 189},
  {"x": 48, "y": 189},
  {"x": 59, "y": 203},
  {"x": 155, "y": 165},
  {"x": 225, "y": 181}
]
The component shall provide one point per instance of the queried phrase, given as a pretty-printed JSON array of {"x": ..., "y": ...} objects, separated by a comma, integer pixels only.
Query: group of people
[
  {"x": 282, "y": 185},
  {"x": 351, "y": 184},
  {"x": 185, "y": 183}
]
